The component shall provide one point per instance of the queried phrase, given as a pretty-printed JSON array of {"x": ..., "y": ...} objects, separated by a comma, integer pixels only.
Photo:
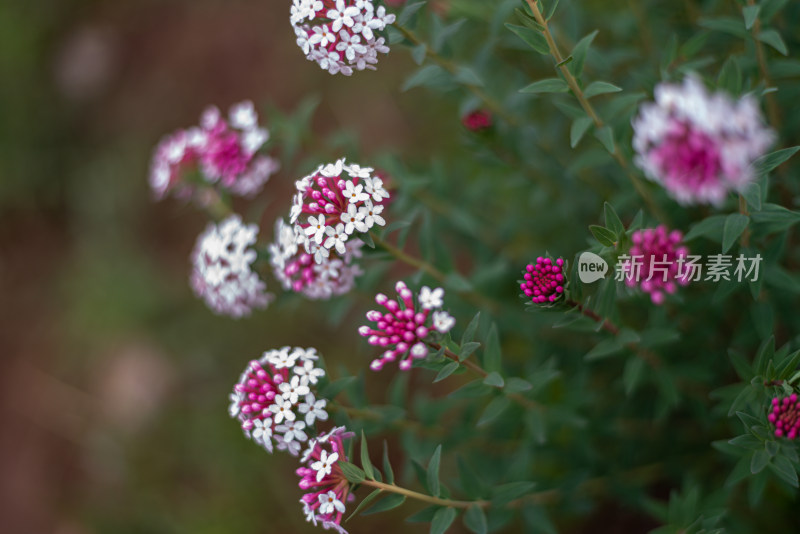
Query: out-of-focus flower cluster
[
  {"x": 333, "y": 203},
  {"x": 406, "y": 326},
  {"x": 784, "y": 413},
  {"x": 221, "y": 273},
  {"x": 656, "y": 262},
  {"x": 274, "y": 399},
  {"x": 224, "y": 151},
  {"x": 294, "y": 266},
  {"x": 329, "y": 489},
  {"x": 340, "y": 35},
  {"x": 699, "y": 146}
]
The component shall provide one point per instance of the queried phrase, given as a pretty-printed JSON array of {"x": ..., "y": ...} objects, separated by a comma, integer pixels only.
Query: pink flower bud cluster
[
  {"x": 340, "y": 35},
  {"x": 221, "y": 273},
  {"x": 699, "y": 146},
  {"x": 544, "y": 280},
  {"x": 321, "y": 475},
  {"x": 656, "y": 262},
  {"x": 334, "y": 203},
  {"x": 405, "y": 325},
  {"x": 785, "y": 415},
  {"x": 477, "y": 120},
  {"x": 224, "y": 151},
  {"x": 297, "y": 271},
  {"x": 273, "y": 394}
]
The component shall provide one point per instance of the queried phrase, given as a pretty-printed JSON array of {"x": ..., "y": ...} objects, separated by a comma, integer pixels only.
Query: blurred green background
[{"x": 115, "y": 378}]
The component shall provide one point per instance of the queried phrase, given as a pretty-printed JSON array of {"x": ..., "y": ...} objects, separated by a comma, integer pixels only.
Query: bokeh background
[{"x": 114, "y": 381}]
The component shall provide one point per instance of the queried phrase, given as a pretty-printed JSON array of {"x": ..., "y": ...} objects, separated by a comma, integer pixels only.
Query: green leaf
[
  {"x": 774, "y": 218},
  {"x": 419, "y": 52},
  {"x": 476, "y": 388},
  {"x": 442, "y": 520},
  {"x": 457, "y": 283},
  {"x": 432, "y": 476},
  {"x": 607, "y": 347},
  {"x": 518, "y": 385},
  {"x": 752, "y": 194},
  {"x": 364, "y": 502},
  {"x": 494, "y": 379},
  {"x": 423, "y": 516},
  {"x": 446, "y": 371},
  {"x": 785, "y": 470},
  {"x": 337, "y": 386},
  {"x": 548, "y": 85},
  {"x": 565, "y": 61},
  {"x": 352, "y": 472},
  {"x": 730, "y": 76},
  {"x": 505, "y": 493},
  {"x": 773, "y": 39},
  {"x": 387, "y": 466},
  {"x": 469, "y": 333},
  {"x": 492, "y": 355},
  {"x": 759, "y": 461},
  {"x": 765, "y": 353},
  {"x": 552, "y": 5},
  {"x": 747, "y": 441},
  {"x": 467, "y": 76},
  {"x": 579, "y": 53},
  {"x": 366, "y": 237},
  {"x": 429, "y": 75},
  {"x": 578, "y": 129},
  {"x": 493, "y": 410},
  {"x": 734, "y": 26},
  {"x": 366, "y": 465},
  {"x": 470, "y": 483},
  {"x": 391, "y": 501},
  {"x": 632, "y": 374},
  {"x": 408, "y": 11},
  {"x": 613, "y": 222},
  {"x": 606, "y": 136},
  {"x": 475, "y": 520},
  {"x": 467, "y": 349},
  {"x": 750, "y": 14},
  {"x": 605, "y": 236},
  {"x": 788, "y": 366},
  {"x": 771, "y": 161},
  {"x": 534, "y": 38},
  {"x": 735, "y": 224},
  {"x": 600, "y": 88},
  {"x": 710, "y": 227}
]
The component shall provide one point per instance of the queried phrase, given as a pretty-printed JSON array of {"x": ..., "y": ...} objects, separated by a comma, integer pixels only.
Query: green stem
[
  {"x": 587, "y": 107},
  {"x": 772, "y": 104},
  {"x": 452, "y": 68},
  {"x": 422, "y": 497},
  {"x": 475, "y": 298}
]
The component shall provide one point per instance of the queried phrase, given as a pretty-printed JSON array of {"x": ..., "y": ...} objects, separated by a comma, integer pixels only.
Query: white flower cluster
[
  {"x": 333, "y": 203},
  {"x": 274, "y": 399},
  {"x": 221, "y": 273},
  {"x": 297, "y": 271},
  {"x": 340, "y": 36}
]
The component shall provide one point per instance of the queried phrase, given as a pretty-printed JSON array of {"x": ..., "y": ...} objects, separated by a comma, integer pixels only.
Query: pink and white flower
[
  {"x": 329, "y": 489},
  {"x": 339, "y": 35},
  {"x": 221, "y": 273},
  {"x": 699, "y": 146},
  {"x": 656, "y": 262},
  {"x": 266, "y": 400},
  {"x": 224, "y": 151},
  {"x": 406, "y": 328},
  {"x": 304, "y": 266}
]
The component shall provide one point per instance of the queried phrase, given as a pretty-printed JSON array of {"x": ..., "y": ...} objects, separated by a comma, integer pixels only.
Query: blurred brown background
[{"x": 114, "y": 378}]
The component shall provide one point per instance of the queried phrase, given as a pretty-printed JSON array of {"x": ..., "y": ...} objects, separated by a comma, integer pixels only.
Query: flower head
[
  {"x": 785, "y": 415},
  {"x": 544, "y": 281},
  {"x": 656, "y": 262},
  {"x": 339, "y": 35},
  {"x": 477, "y": 120},
  {"x": 309, "y": 268},
  {"x": 699, "y": 146},
  {"x": 221, "y": 273},
  {"x": 405, "y": 326},
  {"x": 225, "y": 152},
  {"x": 266, "y": 400},
  {"x": 321, "y": 474},
  {"x": 334, "y": 203}
]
